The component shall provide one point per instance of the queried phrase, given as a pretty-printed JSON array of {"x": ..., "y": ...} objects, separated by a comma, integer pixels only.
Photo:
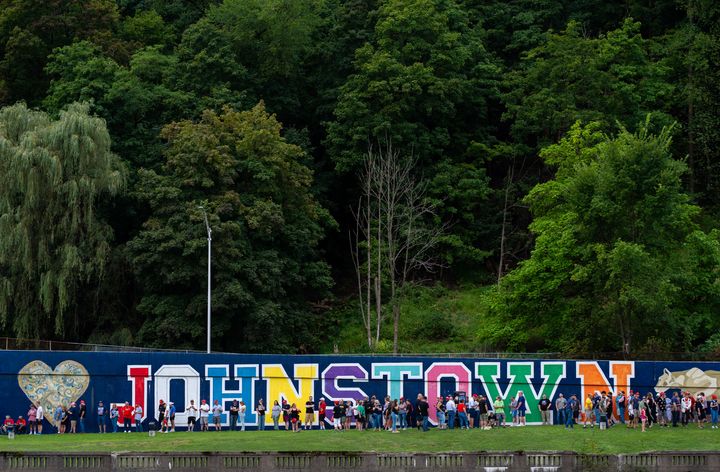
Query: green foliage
[
  {"x": 572, "y": 77},
  {"x": 266, "y": 228},
  {"x": 54, "y": 176},
  {"x": 611, "y": 230}
]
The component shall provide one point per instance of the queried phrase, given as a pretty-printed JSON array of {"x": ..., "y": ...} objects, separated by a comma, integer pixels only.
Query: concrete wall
[{"x": 370, "y": 462}]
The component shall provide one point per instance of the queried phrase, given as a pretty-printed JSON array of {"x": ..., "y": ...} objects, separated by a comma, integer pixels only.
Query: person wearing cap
[
  {"x": 714, "y": 408},
  {"x": 73, "y": 413},
  {"x": 191, "y": 411},
  {"x": 450, "y": 410},
  {"x": 138, "y": 418},
  {"x": 81, "y": 415},
  {"x": 322, "y": 407},
  {"x": 20, "y": 425},
  {"x": 204, "y": 412},
  {"x": 171, "y": 416},
  {"x": 162, "y": 407},
  {"x": 127, "y": 415},
  {"x": 101, "y": 415}
]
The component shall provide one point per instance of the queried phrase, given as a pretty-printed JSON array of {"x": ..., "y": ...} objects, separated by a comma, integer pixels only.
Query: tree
[
  {"x": 610, "y": 230},
  {"x": 55, "y": 177},
  {"x": 427, "y": 84},
  {"x": 31, "y": 29},
  {"x": 571, "y": 77},
  {"x": 397, "y": 228},
  {"x": 266, "y": 228}
]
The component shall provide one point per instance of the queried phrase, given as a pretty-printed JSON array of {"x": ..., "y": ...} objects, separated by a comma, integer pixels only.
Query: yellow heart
[{"x": 50, "y": 388}]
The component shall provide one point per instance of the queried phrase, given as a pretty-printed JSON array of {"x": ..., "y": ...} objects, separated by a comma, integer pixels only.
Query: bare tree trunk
[{"x": 511, "y": 172}]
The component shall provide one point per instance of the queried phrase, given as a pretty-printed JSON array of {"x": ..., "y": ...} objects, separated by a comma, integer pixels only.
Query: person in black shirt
[
  {"x": 423, "y": 408},
  {"x": 309, "y": 413}
]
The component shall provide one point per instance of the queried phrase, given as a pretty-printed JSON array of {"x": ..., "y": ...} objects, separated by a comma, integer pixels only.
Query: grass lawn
[{"x": 531, "y": 438}]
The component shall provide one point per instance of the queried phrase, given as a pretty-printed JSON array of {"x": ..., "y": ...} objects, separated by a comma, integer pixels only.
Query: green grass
[
  {"x": 433, "y": 319},
  {"x": 531, "y": 438}
]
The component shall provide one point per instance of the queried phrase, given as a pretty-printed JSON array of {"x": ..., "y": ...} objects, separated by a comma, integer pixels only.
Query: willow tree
[{"x": 54, "y": 174}]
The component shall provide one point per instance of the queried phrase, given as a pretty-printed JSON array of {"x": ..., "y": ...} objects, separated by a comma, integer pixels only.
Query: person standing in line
[
  {"x": 234, "y": 410},
  {"x": 686, "y": 409},
  {"x": 114, "y": 417},
  {"x": 423, "y": 412},
  {"x": 483, "y": 407},
  {"x": 462, "y": 414},
  {"x": 82, "y": 413},
  {"x": 286, "y": 414},
  {"x": 568, "y": 413},
  {"x": 620, "y": 401},
  {"x": 322, "y": 407},
  {"x": 101, "y": 417},
  {"x": 217, "y": 411},
  {"x": 587, "y": 410},
  {"x": 544, "y": 405},
  {"x": 499, "y": 408},
  {"x": 295, "y": 418},
  {"x": 360, "y": 415},
  {"x": 440, "y": 413},
  {"x": 714, "y": 408},
  {"x": 276, "y": 412},
  {"x": 40, "y": 416},
  {"x": 675, "y": 409},
  {"x": 560, "y": 404},
  {"x": 241, "y": 415},
  {"x": 171, "y": 414},
  {"x": 73, "y": 413},
  {"x": 394, "y": 415},
  {"x": 402, "y": 412},
  {"x": 162, "y": 407},
  {"x": 450, "y": 410},
  {"x": 261, "y": 415},
  {"x": 57, "y": 417},
  {"x": 513, "y": 411},
  {"x": 473, "y": 412},
  {"x": 192, "y": 415},
  {"x": 32, "y": 419},
  {"x": 127, "y": 414},
  {"x": 521, "y": 408},
  {"x": 700, "y": 409},
  {"x": 309, "y": 413},
  {"x": 138, "y": 418},
  {"x": 204, "y": 414}
]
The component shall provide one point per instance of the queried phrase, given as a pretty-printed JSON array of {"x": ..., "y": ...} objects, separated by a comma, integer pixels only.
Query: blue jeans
[
  {"x": 621, "y": 413},
  {"x": 425, "y": 423},
  {"x": 82, "y": 425},
  {"x": 394, "y": 417},
  {"x": 451, "y": 419},
  {"x": 440, "y": 418},
  {"x": 233, "y": 422},
  {"x": 596, "y": 412},
  {"x": 138, "y": 426},
  {"x": 403, "y": 419},
  {"x": 500, "y": 417},
  {"x": 475, "y": 415},
  {"x": 714, "y": 417},
  {"x": 114, "y": 424},
  {"x": 463, "y": 420},
  {"x": 561, "y": 417},
  {"x": 261, "y": 427},
  {"x": 569, "y": 423},
  {"x": 377, "y": 421}
]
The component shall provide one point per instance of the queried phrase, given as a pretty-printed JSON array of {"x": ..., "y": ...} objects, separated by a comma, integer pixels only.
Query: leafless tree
[{"x": 395, "y": 233}]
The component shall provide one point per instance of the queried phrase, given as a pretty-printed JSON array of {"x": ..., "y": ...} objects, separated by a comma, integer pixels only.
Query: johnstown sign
[{"x": 58, "y": 378}]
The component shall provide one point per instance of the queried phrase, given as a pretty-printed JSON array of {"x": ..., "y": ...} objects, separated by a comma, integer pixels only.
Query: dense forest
[{"x": 378, "y": 175}]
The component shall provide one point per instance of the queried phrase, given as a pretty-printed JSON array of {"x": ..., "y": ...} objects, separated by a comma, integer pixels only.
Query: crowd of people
[{"x": 599, "y": 409}]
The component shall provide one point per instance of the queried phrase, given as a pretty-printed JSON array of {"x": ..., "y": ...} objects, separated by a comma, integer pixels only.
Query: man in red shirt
[
  {"x": 20, "y": 425},
  {"x": 8, "y": 425},
  {"x": 127, "y": 414},
  {"x": 322, "y": 406}
]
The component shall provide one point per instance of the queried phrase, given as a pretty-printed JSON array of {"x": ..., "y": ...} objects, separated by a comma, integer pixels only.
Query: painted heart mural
[{"x": 52, "y": 387}]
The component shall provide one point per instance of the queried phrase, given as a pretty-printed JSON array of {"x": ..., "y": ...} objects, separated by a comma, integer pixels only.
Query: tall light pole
[{"x": 209, "y": 265}]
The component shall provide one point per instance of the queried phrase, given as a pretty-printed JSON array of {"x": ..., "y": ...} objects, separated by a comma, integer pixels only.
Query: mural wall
[{"x": 52, "y": 378}]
